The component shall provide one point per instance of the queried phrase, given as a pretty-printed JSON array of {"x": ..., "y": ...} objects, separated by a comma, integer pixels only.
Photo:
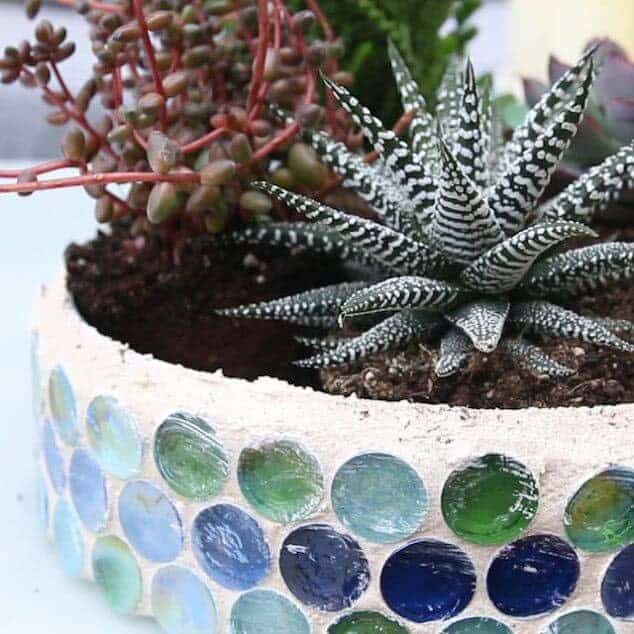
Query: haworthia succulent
[
  {"x": 455, "y": 350},
  {"x": 482, "y": 321},
  {"x": 536, "y": 360}
]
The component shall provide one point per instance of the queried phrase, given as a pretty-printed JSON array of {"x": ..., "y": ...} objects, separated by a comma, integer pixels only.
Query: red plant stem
[
  {"x": 117, "y": 87},
  {"x": 42, "y": 168},
  {"x": 398, "y": 128},
  {"x": 102, "y": 179},
  {"x": 62, "y": 83},
  {"x": 149, "y": 51},
  {"x": 204, "y": 140},
  {"x": 95, "y": 6},
  {"x": 139, "y": 139},
  {"x": 313, "y": 5},
  {"x": 260, "y": 58},
  {"x": 124, "y": 204}
]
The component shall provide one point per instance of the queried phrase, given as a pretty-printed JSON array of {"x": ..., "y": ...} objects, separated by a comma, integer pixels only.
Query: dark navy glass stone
[
  {"x": 323, "y": 568},
  {"x": 533, "y": 575},
  {"x": 230, "y": 547},
  {"x": 617, "y": 588},
  {"x": 428, "y": 580}
]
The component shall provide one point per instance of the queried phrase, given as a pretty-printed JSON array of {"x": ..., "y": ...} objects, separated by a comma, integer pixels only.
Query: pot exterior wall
[{"x": 278, "y": 460}]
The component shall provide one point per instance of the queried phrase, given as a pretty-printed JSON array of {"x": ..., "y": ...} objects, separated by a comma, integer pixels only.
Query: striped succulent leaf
[
  {"x": 502, "y": 268},
  {"x": 455, "y": 350},
  {"x": 535, "y": 360},
  {"x": 482, "y": 321},
  {"x": 449, "y": 98}
]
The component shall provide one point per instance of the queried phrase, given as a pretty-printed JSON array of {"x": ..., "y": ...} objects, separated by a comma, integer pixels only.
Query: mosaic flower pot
[{"x": 220, "y": 505}]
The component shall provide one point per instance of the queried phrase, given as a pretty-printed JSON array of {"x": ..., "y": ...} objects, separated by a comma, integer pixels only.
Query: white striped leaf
[
  {"x": 482, "y": 321},
  {"x": 535, "y": 360},
  {"x": 455, "y": 350}
]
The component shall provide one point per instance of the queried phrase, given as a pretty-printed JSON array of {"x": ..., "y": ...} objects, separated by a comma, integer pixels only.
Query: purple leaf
[
  {"x": 556, "y": 68},
  {"x": 616, "y": 79},
  {"x": 620, "y": 112},
  {"x": 533, "y": 90}
]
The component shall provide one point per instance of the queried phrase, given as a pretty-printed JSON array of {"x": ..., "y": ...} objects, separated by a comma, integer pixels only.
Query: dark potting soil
[{"x": 140, "y": 297}]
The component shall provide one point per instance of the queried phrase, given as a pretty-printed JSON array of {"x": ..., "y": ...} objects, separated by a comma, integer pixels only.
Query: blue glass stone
[
  {"x": 53, "y": 459},
  {"x": 323, "y": 568},
  {"x": 68, "y": 540},
  {"x": 114, "y": 437},
  {"x": 580, "y": 622},
  {"x": 150, "y": 521},
  {"x": 428, "y": 580},
  {"x": 617, "y": 588},
  {"x": 266, "y": 611},
  {"x": 88, "y": 490},
  {"x": 477, "y": 625},
  {"x": 230, "y": 547},
  {"x": 62, "y": 402},
  {"x": 182, "y": 603},
  {"x": 533, "y": 575},
  {"x": 379, "y": 497}
]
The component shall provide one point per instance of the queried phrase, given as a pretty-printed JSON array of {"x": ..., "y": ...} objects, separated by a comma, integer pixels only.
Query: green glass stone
[
  {"x": 62, "y": 403},
  {"x": 117, "y": 574},
  {"x": 266, "y": 611},
  {"x": 190, "y": 457},
  {"x": 580, "y": 622},
  {"x": 366, "y": 623},
  {"x": 490, "y": 500},
  {"x": 281, "y": 481},
  {"x": 477, "y": 625},
  {"x": 600, "y": 515}
]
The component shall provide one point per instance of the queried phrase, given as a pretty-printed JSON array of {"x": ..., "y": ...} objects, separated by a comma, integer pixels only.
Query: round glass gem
[
  {"x": 68, "y": 540},
  {"x": 477, "y": 625},
  {"x": 533, "y": 575},
  {"x": 366, "y": 623},
  {"x": 580, "y": 622},
  {"x": 266, "y": 611},
  {"x": 182, "y": 603},
  {"x": 600, "y": 515},
  {"x": 117, "y": 574},
  {"x": 88, "y": 490},
  {"x": 230, "y": 547},
  {"x": 428, "y": 580},
  {"x": 113, "y": 435},
  {"x": 150, "y": 521},
  {"x": 53, "y": 459},
  {"x": 62, "y": 402},
  {"x": 489, "y": 500},
  {"x": 280, "y": 480},
  {"x": 323, "y": 568},
  {"x": 617, "y": 587},
  {"x": 379, "y": 497},
  {"x": 190, "y": 457}
]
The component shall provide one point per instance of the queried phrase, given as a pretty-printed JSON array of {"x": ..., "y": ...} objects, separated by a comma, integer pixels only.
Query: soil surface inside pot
[{"x": 141, "y": 298}]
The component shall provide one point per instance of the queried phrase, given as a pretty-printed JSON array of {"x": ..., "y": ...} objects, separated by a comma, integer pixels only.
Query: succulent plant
[
  {"x": 459, "y": 251},
  {"x": 184, "y": 85}
]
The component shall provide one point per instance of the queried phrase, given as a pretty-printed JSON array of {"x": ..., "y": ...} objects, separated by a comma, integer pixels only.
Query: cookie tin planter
[{"x": 221, "y": 505}]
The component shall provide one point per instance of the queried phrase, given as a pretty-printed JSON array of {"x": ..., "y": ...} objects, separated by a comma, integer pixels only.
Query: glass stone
[
  {"x": 379, "y": 498},
  {"x": 150, "y": 521},
  {"x": 266, "y": 611},
  {"x": 53, "y": 459},
  {"x": 117, "y": 574},
  {"x": 190, "y": 457},
  {"x": 36, "y": 380},
  {"x": 533, "y": 575},
  {"x": 113, "y": 435},
  {"x": 580, "y": 622},
  {"x": 490, "y": 500},
  {"x": 68, "y": 540},
  {"x": 230, "y": 547},
  {"x": 280, "y": 480},
  {"x": 88, "y": 490},
  {"x": 428, "y": 580},
  {"x": 617, "y": 587},
  {"x": 323, "y": 568},
  {"x": 366, "y": 623},
  {"x": 600, "y": 515},
  {"x": 477, "y": 625},
  {"x": 62, "y": 402},
  {"x": 182, "y": 603}
]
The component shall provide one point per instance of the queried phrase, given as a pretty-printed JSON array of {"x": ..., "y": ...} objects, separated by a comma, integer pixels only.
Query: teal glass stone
[
  {"x": 182, "y": 603},
  {"x": 490, "y": 500},
  {"x": 281, "y": 480},
  {"x": 113, "y": 436},
  {"x": 69, "y": 543},
  {"x": 600, "y": 515},
  {"x": 190, "y": 457},
  {"x": 477, "y": 625},
  {"x": 379, "y": 497},
  {"x": 265, "y": 611},
  {"x": 62, "y": 403},
  {"x": 580, "y": 622},
  {"x": 117, "y": 574},
  {"x": 366, "y": 623}
]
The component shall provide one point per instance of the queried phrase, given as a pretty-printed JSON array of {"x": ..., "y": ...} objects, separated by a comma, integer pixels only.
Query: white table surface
[{"x": 35, "y": 596}]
